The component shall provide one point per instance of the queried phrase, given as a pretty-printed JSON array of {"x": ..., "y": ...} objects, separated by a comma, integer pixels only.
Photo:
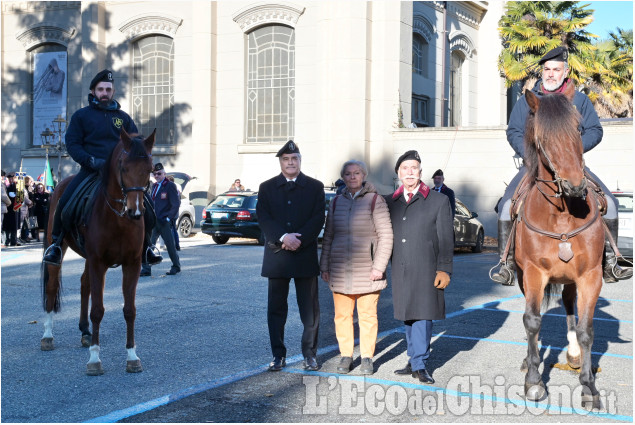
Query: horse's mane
[
  {"x": 555, "y": 124},
  {"x": 137, "y": 150}
]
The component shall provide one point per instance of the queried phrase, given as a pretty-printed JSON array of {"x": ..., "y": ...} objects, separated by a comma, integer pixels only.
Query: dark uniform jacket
[
  {"x": 280, "y": 211},
  {"x": 590, "y": 127},
  {"x": 166, "y": 201},
  {"x": 94, "y": 132},
  {"x": 423, "y": 244},
  {"x": 450, "y": 194}
]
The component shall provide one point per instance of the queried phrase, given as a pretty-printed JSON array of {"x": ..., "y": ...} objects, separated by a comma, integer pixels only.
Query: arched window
[
  {"x": 456, "y": 82},
  {"x": 153, "y": 86},
  {"x": 419, "y": 55},
  {"x": 270, "y": 84}
]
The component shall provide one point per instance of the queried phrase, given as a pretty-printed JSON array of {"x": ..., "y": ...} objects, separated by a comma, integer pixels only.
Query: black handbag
[{"x": 32, "y": 222}]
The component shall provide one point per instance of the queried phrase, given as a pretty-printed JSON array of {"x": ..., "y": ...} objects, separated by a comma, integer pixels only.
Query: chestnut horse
[
  {"x": 559, "y": 237},
  {"x": 113, "y": 235}
]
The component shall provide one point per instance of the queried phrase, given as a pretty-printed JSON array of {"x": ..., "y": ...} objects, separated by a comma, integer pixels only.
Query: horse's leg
[
  {"x": 51, "y": 302},
  {"x": 519, "y": 272},
  {"x": 574, "y": 358},
  {"x": 97, "y": 277},
  {"x": 588, "y": 294},
  {"x": 84, "y": 325},
  {"x": 129, "y": 288},
  {"x": 534, "y": 284}
]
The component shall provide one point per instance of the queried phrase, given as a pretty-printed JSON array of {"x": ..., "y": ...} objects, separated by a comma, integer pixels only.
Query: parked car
[
  {"x": 232, "y": 215},
  {"x": 625, "y": 229},
  {"x": 187, "y": 214},
  {"x": 468, "y": 231},
  {"x": 329, "y": 194}
]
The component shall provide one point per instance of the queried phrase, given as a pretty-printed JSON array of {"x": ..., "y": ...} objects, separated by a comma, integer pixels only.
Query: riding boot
[
  {"x": 505, "y": 275},
  {"x": 53, "y": 254},
  {"x": 149, "y": 220},
  {"x": 612, "y": 271}
]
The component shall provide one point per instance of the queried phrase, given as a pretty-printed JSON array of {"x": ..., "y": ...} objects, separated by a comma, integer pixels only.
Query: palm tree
[{"x": 530, "y": 29}]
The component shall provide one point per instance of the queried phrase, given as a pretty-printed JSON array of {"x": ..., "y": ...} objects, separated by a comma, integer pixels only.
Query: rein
[{"x": 125, "y": 190}]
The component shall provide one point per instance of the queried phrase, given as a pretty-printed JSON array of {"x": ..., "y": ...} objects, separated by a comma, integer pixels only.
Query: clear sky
[{"x": 609, "y": 15}]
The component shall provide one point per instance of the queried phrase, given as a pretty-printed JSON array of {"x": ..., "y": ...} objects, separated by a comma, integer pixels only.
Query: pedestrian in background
[
  {"x": 356, "y": 248},
  {"x": 441, "y": 187},
  {"x": 236, "y": 186},
  {"x": 290, "y": 212},
  {"x": 6, "y": 202},
  {"x": 41, "y": 209},
  {"x": 421, "y": 261},
  {"x": 10, "y": 224}
]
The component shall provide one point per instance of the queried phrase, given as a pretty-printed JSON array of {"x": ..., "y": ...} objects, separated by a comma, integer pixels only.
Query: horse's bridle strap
[{"x": 560, "y": 236}]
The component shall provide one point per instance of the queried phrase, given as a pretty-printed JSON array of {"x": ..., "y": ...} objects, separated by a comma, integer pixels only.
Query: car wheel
[
  {"x": 220, "y": 240},
  {"x": 479, "y": 242},
  {"x": 185, "y": 227},
  {"x": 261, "y": 239}
]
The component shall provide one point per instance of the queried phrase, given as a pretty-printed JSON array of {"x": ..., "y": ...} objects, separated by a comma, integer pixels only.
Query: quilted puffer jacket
[{"x": 357, "y": 237}]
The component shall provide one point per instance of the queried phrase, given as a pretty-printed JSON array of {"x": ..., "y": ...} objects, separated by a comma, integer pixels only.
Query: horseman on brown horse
[{"x": 554, "y": 80}]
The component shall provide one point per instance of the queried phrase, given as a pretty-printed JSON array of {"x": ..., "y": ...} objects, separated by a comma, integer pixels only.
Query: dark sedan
[
  {"x": 232, "y": 215},
  {"x": 468, "y": 231}
]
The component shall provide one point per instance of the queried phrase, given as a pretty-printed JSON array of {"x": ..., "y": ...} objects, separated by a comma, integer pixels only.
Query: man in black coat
[
  {"x": 291, "y": 214},
  {"x": 422, "y": 257},
  {"x": 441, "y": 187}
]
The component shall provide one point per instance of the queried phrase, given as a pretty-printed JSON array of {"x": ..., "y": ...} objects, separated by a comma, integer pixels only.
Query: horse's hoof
[
  {"x": 134, "y": 366},
  {"x": 574, "y": 362},
  {"x": 94, "y": 369},
  {"x": 523, "y": 367},
  {"x": 46, "y": 344},
  {"x": 591, "y": 402},
  {"x": 534, "y": 392},
  {"x": 87, "y": 340}
]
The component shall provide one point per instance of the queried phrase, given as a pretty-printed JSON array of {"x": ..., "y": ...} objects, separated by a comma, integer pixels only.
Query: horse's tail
[{"x": 553, "y": 291}]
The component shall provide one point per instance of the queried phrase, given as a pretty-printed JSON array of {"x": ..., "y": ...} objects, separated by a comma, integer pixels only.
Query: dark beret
[
  {"x": 439, "y": 172},
  {"x": 405, "y": 157},
  {"x": 104, "y": 75},
  {"x": 289, "y": 147},
  {"x": 158, "y": 167},
  {"x": 559, "y": 54}
]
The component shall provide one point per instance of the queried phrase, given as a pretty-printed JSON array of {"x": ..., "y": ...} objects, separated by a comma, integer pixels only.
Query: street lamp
[{"x": 61, "y": 128}]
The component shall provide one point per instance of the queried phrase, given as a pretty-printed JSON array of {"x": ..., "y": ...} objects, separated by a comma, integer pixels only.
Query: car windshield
[
  {"x": 229, "y": 201},
  {"x": 625, "y": 203}
]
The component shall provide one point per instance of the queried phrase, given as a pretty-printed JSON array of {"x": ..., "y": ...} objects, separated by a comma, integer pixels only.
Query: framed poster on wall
[{"x": 49, "y": 91}]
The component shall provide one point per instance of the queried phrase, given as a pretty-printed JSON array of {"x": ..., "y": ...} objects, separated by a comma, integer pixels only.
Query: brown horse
[
  {"x": 113, "y": 235},
  {"x": 560, "y": 238}
]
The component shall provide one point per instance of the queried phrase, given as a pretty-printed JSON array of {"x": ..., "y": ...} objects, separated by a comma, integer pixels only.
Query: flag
[{"x": 48, "y": 180}]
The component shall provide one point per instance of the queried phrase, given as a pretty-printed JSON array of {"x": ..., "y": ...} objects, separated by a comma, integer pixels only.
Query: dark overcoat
[
  {"x": 299, "y": 210},
  {"x": 423, "y": 244}
]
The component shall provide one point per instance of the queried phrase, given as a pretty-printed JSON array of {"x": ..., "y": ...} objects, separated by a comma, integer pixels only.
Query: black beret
[
  {"x": 289, "y": 147},
  {"x": 559, "y": 54},
  {"x": 439, "y": 172},
  {"x": 158, "y": 167},
  {"x": 405, "y": 157},
  {"x": 104, "y": 75}
]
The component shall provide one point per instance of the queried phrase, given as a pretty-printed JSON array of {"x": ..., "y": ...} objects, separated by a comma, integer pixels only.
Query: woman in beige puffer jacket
[{"x": 356, "y": 249}]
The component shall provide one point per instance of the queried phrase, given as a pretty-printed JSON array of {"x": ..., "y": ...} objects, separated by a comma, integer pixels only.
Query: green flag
[{"x": 48, "y": 176}]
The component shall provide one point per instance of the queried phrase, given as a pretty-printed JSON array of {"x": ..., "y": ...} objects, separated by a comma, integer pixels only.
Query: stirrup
[
  {"x": 498, "y": 277},
  {"x": 151, "y": 250},
  {"x": 48, "y": 251},
  {"x": 615, "y": 265}
]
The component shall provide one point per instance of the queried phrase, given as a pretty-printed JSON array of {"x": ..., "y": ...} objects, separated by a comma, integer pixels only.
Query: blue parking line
[
  {"x": 556, "y": 315},
  {"x": 481, "y": 306},
  {"x": 453, "y": 393},
  {"x": 10, "y": 257}
]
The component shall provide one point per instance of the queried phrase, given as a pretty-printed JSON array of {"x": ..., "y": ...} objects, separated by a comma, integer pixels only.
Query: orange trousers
[{"x": 367, "y": 315}]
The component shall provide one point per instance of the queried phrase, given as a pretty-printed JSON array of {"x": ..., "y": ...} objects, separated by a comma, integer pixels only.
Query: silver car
[{"x": 625, "y": 229}]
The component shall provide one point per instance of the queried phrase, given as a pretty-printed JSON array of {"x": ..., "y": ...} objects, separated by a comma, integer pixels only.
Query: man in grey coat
[{"x": 422, "y": 257}]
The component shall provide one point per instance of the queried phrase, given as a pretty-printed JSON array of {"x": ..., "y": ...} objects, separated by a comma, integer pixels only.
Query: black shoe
[
  {"x": 53, "y": 255},
  {"x": 504, "y": 276},
  {"x": 173, "y": 271},
  {"x": 345, "y": 365},
  {"x": 423, "y": 376},
  {"x": 145, "y": 273},
  {"x": 405, "y": 371},
  {"x": 310, "y": 363},
  {"x": 367, "y": 366},
  {"x": 277, "y": 364},
  {"x": 151, "y": 258}
]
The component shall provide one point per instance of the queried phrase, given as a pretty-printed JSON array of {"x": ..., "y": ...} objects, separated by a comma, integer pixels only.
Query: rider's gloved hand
[{"x": 95, "y": 164}]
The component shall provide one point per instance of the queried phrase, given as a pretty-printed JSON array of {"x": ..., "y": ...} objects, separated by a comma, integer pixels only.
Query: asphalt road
[{"x": 203, "y": 342}]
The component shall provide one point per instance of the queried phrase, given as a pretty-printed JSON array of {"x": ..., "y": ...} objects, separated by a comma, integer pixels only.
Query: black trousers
[{"x": 306, "y": 289}]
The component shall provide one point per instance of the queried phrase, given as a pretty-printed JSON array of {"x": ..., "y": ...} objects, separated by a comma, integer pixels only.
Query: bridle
[
  {"x": 557, "y": 179},
  {"x": 125, "y": 190}
]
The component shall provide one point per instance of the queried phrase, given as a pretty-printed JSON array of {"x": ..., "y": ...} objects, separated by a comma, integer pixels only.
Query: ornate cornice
[
  {"x": 422, "y": 26},
  {"x": 45, "y": 32},
  {"x": 141, "y": 25},
  {"x": 459, "y": 40},
  {"x": 33, "y": 6},
  {"x": 271, "y": 13},
  {"x": 463, "y": 14}
]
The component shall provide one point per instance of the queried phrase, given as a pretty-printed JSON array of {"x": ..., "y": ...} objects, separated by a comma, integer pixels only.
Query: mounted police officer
[
  {"x": 290, "y": 212},
  {"x": 554, "y": 80},
  {"x": 92, "y": 134}
]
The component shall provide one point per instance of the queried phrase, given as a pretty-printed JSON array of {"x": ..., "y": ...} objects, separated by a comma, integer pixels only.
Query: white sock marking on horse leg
[
  {"x": 132, "y": 353},
  {"x": 574, "y": 347},
  {"x": 48, "y": 326},
  {"x": 94, "y": 354}
]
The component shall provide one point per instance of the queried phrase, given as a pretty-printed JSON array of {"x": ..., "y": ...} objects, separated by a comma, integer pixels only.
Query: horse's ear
[
  {"x": 149, "y": 142},
  {"x": 532, "y": 101},
  {"x": 125, "y": 138},
  {"x": 569, "y": 91}
]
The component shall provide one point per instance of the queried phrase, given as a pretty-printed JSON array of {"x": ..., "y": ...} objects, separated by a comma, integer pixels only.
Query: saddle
[{"x": 79, "y": 207}]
